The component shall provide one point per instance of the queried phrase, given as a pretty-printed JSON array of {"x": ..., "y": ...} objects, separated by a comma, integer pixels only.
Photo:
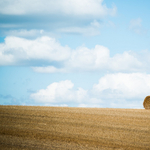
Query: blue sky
[{"x": 90, "y": 53}]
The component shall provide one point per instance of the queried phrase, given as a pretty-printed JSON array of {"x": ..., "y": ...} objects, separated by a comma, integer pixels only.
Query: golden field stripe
[{"x": 28, "y": 127}]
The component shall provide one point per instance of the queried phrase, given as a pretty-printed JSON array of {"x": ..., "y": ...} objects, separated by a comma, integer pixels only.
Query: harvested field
[{"x": 58, "y": 128}]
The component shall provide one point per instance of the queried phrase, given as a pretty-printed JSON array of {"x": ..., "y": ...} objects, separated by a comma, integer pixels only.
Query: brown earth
[{"x": 60, "y": 128}]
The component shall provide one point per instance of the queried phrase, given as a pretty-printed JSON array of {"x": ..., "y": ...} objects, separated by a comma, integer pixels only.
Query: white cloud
[
  {"x": 19, "y": 49},
  {"x": 90, "y": 8},
  {"x": 60, "y": 92},
  {"x": 6, "y": 59},
  {"x": 47, "y": 52},
  {"x": 59, "y": 16},
  {"x": 97, "y": 59},
  {"x": 84, "y": 59},
  {"x": 123, "y": 86},
  {"x": 120, "y": 90},
  {"x": 125, "y": 62},
  {"x": 89, "y": 59}
]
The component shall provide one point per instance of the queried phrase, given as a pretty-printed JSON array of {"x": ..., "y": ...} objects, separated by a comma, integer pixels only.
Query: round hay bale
[{"x": 146, "y": 102}]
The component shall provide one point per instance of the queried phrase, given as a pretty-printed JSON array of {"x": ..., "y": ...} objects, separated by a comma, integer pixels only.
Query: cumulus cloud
[
  {"x": 48, "y": 56},
  {"x": 125, "y": 62},
  {"x": 121, "y": 85},
  {"x": 15, "y": 50},
  {"x": 60, "y": 92},
  {"x": 120, "y": 90},
  {"x": 89, "y": 59},
  {"x": 97, "y": 59}
]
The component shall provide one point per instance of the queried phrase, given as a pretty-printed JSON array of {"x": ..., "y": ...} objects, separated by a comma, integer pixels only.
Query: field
[{"x": 64, "y": 128}]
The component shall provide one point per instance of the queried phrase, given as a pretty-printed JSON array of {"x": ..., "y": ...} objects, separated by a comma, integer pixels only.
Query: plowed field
[{"x": 60, "y": 128}]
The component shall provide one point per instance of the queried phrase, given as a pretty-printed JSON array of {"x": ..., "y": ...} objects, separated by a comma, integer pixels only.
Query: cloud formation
[
  {"x": 15, "y": 50},
  {"x": 47, "y": 55},
  {"x": 113, "y": 90},
  {"x": 121, "y": 85},
  {"x": 99, "y": 59},
  {"x": 59, "y": 16},
  {"x": 60, "y": 92},
  {"x": 66, "y": 7}
]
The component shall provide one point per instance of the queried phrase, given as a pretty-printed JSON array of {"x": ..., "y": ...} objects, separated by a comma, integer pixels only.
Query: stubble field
[{"x": 60, "y": 128}]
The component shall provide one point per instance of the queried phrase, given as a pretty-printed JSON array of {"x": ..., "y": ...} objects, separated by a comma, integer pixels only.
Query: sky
[{"x": 89, "y": 53}]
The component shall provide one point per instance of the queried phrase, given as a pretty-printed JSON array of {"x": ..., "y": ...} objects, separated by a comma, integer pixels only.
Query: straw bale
[{"x": 146, "y": 102}]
